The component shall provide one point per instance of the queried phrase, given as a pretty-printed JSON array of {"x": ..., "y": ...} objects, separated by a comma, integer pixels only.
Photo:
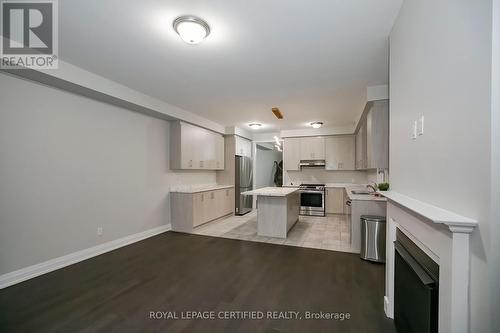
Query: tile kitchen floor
[{"x": 331, "y": 232}]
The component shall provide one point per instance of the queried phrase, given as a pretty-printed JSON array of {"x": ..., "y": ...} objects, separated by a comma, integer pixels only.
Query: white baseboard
[{"x": 30, "y": 272}]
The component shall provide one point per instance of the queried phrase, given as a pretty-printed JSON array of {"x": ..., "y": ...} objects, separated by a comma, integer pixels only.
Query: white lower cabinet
[
  {"x": 359, "y": 208},
  {"x": 190, "y": 210},
  {"x": 334, "y": 200}
]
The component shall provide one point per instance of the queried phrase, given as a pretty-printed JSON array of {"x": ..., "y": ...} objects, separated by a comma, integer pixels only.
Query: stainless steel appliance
[
  {"x": 373, "y": 238},
  {"x": 312, "y": 199},
  {"x": 243, "y": 182},
  {"x": 312, "y": 163}
]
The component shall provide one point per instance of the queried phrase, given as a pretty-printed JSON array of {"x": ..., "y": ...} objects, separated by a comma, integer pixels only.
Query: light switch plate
[
  {"x": 414, "y": 130},
  {"x": 420, "y": 130}
]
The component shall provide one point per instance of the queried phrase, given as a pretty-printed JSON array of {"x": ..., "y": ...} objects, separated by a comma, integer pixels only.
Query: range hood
[{"x": 312, "y": 163}]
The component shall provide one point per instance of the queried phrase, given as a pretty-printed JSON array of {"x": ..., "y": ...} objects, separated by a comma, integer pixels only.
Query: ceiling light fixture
[
  {"x": 255, "y": 126},
  {"x": 317, "y": 124},
  {"x": 191, "y": 29}
]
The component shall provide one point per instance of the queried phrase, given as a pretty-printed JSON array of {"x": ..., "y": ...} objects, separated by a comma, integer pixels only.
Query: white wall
[
  {"x": 70, "y": 164},
  {"x": 72, "y": 78},
  {"x": 264, "y": 162},
  {"x": 440, "y": 67},
  {"x": 495, "y": 169}
]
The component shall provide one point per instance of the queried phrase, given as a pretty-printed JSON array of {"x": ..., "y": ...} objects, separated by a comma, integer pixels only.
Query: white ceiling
[{"x": 313, "y": 59}]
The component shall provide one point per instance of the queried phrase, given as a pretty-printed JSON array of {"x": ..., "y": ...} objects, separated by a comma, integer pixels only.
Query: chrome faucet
[{"x": 373, "y": 187}]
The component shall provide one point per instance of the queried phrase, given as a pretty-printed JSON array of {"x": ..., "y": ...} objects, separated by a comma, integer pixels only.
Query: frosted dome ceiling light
[
  {"x": 191, "y": 29},
  {"x": 317, "y": 124},
  {"x": 254, "y": 126}
]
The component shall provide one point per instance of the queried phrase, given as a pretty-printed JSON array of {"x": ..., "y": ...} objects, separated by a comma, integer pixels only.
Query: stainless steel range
[{"x": 312, "y": 199}]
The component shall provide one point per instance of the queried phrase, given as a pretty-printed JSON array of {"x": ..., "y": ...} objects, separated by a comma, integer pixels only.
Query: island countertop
[
  {"x": 272, "y": 191},
  {"x": 198, "y": 188}
]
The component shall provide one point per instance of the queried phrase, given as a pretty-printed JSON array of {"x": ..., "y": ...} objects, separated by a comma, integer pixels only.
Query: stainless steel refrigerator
[{"x": 243, "y": 182}]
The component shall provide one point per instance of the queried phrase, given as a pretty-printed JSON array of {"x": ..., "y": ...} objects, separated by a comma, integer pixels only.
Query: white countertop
[
  {"x": 349, "y": 187},
  {"x": 335, "y": 185},
  {"x": 272, "y": 191},
  {"x": 330, "y": 185},
  {"x": 197, "y": 188}
]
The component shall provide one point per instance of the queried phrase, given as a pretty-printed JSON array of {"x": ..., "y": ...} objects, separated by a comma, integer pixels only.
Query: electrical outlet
[
  {"x": 414, "y": 130},
  {"x": 99, "y": 231},
  {"x": 421, "y": 125}
]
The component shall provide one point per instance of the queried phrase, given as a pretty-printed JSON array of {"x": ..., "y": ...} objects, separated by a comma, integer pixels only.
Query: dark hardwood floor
[{"x": 116, "y": 292}]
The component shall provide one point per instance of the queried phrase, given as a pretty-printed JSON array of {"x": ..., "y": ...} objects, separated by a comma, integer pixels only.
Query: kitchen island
[{"x": 277, "y": 210}]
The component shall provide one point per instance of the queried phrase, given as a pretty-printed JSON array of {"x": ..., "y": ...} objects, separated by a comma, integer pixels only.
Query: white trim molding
[
  {"x": 444, "y": 236},
  {"x": 432, "y": 213},
  {"x": 45, "y": 267}
]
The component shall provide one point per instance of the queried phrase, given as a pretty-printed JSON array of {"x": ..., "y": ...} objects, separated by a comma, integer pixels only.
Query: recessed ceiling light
[
  {"x": 255, "y": 125},
  {"x": 191, "y": 29},
  {"x": 317, "y": 124}
]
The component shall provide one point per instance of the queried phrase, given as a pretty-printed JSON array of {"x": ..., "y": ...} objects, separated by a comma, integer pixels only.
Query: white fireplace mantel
[
  {"x": 424, "y": 223},
  {"x": 435, "y": 214}
]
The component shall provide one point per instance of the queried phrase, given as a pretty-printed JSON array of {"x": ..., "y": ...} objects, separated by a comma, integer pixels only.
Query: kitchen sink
[{"x": 365, "y": 192}]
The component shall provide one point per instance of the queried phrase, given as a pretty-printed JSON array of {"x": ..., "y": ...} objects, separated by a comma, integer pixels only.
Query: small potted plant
[{"x": 383, "y": 186}]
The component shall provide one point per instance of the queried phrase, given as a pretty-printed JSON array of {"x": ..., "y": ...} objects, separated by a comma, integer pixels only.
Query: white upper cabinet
[
  {"x": 340, "y": 152},
  {"x": 291, "y": 154},
  {"x": 361, "y": 147},
  {"x": 377, "y": 136},
  {"x": 312, "y": 148},
  {"x": 219, "y": 146},
  {"x": 243, "y": 147},
  {"x": 193, "y": 147},
  {"x": 372, "y": 138}
]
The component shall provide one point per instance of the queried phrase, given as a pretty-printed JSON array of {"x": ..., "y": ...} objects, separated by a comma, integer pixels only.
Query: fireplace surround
[
  {"x": 416, "y": 288},
  {"x": 444, "y": 237}
]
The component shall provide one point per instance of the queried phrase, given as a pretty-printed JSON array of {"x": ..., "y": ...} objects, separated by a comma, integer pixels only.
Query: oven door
[{"x": 312, "y": 203}]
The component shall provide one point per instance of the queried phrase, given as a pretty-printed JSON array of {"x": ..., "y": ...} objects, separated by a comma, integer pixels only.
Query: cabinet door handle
[
  {"x": 202, "y": 197},
  {"x": 212, "y": 195}
]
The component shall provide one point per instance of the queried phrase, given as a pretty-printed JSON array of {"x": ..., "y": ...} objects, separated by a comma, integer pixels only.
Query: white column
[
  {"x": 389, "y": 267},
  {"x": 460, "y": 262}
]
